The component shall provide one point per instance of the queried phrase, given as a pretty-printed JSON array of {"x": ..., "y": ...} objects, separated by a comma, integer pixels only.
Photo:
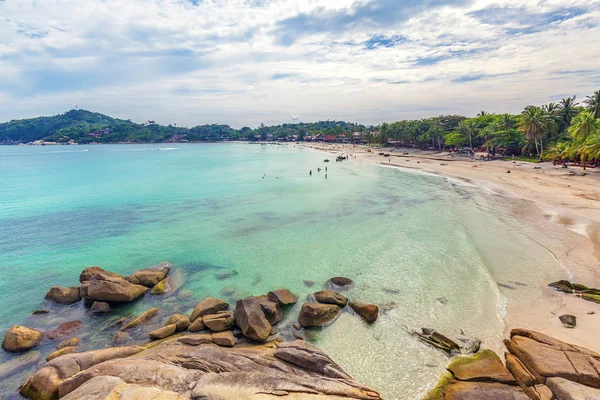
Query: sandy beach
[{"x": 561, "y": 209}]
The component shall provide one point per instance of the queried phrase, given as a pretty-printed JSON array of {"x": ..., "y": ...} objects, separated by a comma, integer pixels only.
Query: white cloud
[{"x": 174, "y": 61}]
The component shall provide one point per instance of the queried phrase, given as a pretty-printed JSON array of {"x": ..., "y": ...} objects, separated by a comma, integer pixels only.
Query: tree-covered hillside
[{"x": 71, "y": 122}]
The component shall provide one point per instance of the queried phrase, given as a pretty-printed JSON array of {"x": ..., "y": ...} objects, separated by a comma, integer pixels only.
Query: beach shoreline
[{"x": 561, "y": 209}]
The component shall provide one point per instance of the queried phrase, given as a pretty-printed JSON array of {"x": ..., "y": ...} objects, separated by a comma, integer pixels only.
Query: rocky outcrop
[
  {"x": 100, "y": 285},
  {"x": 63, "y": 295},
  {"x": 197, "y": 325},
  {"x": 317, "y": 314},
  {"x": 208, "y": 306},
  {"x": 251, "y": 318},
  {"x": 225, "y": 338},
  {"x": 330, "y": 297},
  {"x": 45, "y": 384},
  {"x": 339, "y": 281},
  {"x": 182, "y": 322},
  {"x": 544, "y": 368},
  {"x": 149, "y": 277},
  {"x": 176, "y": 370},
  {"x": 438, "y": 341},
  {"x": 283, "y": 297},
  {"x": 539, "y": 357},
  {"x": 368, "y": 312},
  {"x": 19, "y": 339},
  {"x": 218, "y": 322},
  {"x": 586, "y": 293},
  {"x": 89, "y": 272}
]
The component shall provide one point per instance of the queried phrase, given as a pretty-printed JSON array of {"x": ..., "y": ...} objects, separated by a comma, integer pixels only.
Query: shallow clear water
[{"x": 428, "y": 250}]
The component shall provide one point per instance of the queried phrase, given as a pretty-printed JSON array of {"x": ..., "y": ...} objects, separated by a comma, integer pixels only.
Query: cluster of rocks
[
  {"x": 538, "y": 367},
  {"x": 329, "y": 304},
  {"x": 251, "y": 327},
  {"x": 586, "y": 293}
]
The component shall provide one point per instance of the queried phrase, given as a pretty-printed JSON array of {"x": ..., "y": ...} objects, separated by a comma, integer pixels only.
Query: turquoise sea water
[{"x": 422, "y": 247}]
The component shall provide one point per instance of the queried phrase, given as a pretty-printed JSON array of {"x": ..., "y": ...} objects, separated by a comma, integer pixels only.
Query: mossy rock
[
  {"x": 437, "y": 393},
  {"x": 159, "y": 288},
  {"x": 591, "y": 297},
  {"x": 580, "y": 288},
  {"x": 563, "y": 286}
]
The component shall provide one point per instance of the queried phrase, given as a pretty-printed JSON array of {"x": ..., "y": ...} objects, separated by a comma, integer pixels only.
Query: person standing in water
[{"x": 310, "y": 173}]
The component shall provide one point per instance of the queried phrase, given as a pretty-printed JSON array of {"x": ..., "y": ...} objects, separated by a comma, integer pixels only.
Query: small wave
[{"x": 167, "y": 148}]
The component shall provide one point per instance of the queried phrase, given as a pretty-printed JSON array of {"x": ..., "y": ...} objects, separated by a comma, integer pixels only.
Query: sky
[{"x": 247, "y": 62}]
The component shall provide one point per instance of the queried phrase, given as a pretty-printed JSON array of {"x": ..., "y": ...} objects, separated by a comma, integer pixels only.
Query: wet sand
[{"x": 561, "y": 212}]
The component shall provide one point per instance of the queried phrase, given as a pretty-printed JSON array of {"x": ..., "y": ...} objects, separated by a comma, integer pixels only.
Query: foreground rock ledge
[{"x": 174, "y": 370}]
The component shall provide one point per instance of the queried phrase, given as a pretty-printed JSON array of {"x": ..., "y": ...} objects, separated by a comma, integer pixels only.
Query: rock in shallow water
[
  {"x": 368, "y": 312},
  {"x": 141, "y": 319},
  {"x": 100, "y": 307},
  {"x": 283, "y": 297},
  {"x": 19, "y": 339},
  {"x": 317, "y": 315},
  {"x": 330, "y": 297},
  {"x": 64, "y": 330},
  {"x": 149, "y": 277},
  {"x": 63, "y": 295}
]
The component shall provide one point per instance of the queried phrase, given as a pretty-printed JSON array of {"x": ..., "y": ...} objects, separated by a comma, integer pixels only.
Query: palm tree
[
  {"x": 593, "y": 103},
  {"x": 466, "y": 128},
  {"x": 506, "y": 122},
  {"x": 585, "y": 129},
  {"x": 534, "y": 124},
  {"x": 584, "y": 126},
  {"x": 567, "y": 112},
  {"x": 592, "y": 147}
]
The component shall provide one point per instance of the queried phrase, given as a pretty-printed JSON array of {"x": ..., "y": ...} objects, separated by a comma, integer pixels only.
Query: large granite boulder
[
  {"x": 19, "y": 339},
  {"x": 368, "y": 312},
  {"x": 181, "y": 321},
  {"x": 250, "y": 316},
  {"x": 149, "y": 277},
  {"x": 317, "y": 314},
  {"x": 484, "y": 366},
  {"x": 564, "y": 389},
  {"x": 330, "y": 297},
  {"x": 173, "y": 370},
  {"x": 218, "y": 322},
  {"x": 483, "y": 391},
  {"x": 45, "y": 383},
  {"x": 63, "y": 295},
  {"x": 545, "y": 357},
  {"x": 109, "y": 387},
  {"x": 283, "y": 297},
  {"x": 100, "y": 285},
  {"x": 89, "y": 272},
  {"x": 210, "y": 305},
  {"x": 339, "y": 282}
]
